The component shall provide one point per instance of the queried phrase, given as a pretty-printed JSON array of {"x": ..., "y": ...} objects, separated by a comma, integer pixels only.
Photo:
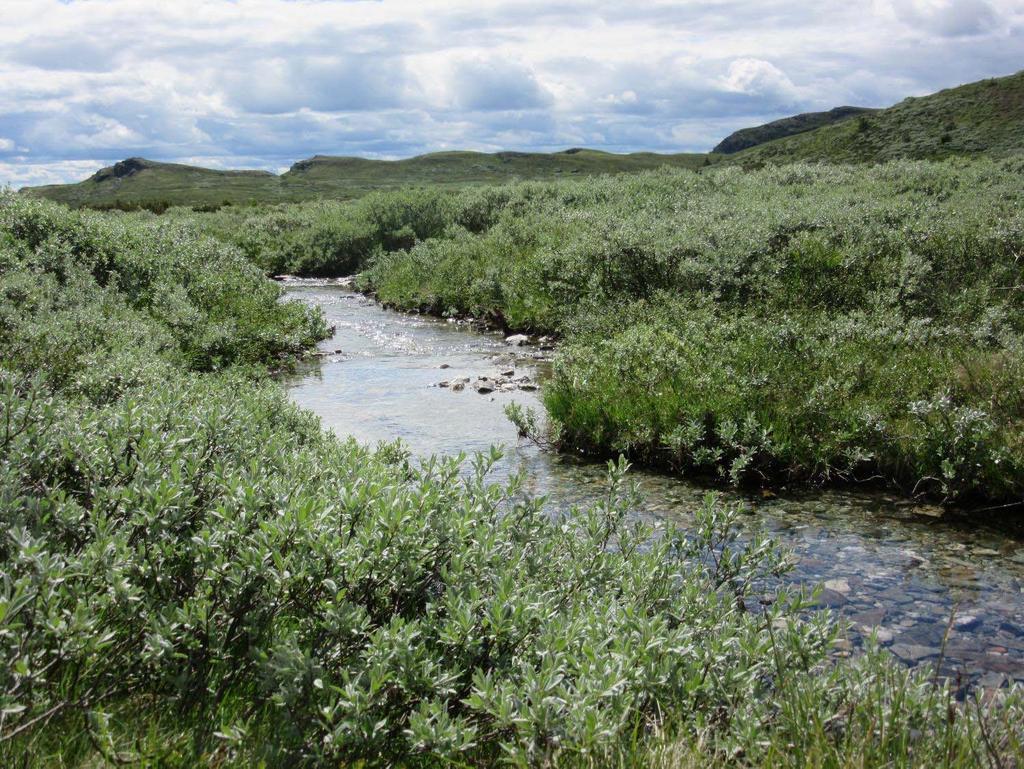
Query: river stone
[
  {"x": 992, "y": 680},
  {"x": 868, "y": 618},
  {"x": 884, "y": 636},
  {"x": 831, "y": 598},
  {"x": 966, "y": 622},
  {"x": 914, "y": 559},
  {"x": 527, "y": 387},
  {"x": 508, "y": 372},
  {"x": 517, "y": 340},
  {"x": 913, "y": 652},
  {"x": 445, "y": 383},
  {"x": 1012, "y": 628},
  {"x": 445, "y": 365},
  {"x": 839, "y": 585},
  {"x": 483, "y": 388},
  {"x": 458, "y": 386}
]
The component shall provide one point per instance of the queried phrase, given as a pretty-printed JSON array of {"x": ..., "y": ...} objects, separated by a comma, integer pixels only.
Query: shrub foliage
[
  {"x": 193, "y": 572},
  {"x": 806, "y": 323}
]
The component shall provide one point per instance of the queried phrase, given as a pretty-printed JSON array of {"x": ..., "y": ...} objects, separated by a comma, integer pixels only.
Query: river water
[{"x": 899, "y": 570}]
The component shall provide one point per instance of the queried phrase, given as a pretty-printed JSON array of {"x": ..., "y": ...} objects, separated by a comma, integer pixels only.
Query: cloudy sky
[{"x": 262, "y": 83}]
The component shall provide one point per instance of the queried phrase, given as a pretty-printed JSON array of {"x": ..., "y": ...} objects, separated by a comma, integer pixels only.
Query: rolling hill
[
  {"x": 982, "y": 118},
  {"x": 777, "y": 129},
  {"x": 137, "y": 181}
]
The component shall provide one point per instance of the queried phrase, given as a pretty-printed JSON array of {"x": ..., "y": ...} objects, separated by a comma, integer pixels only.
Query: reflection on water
[{"x": 887, "y": 566}]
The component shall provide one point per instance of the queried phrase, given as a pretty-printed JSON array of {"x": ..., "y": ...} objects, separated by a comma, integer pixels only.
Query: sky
[{"x": 264, "y": 83}]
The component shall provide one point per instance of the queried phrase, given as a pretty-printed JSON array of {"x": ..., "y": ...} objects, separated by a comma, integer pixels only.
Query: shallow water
[{"x": 886, "y": 566}]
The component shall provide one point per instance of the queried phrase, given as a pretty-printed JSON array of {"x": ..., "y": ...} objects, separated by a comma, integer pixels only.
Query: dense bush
[
  {"x": 204, "y": 563},
  {"x": 79, "y": 290},
  {"x": 806, "y": 397}
]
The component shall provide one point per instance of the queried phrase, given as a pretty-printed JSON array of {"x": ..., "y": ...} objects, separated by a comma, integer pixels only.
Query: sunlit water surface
[{"x": 886, "y": 566}]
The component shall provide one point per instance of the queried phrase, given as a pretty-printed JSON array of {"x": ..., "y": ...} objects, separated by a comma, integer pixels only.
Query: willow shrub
[
  {"x": 198, "y": 574},
  {"x": 805, "y": 397},
  {"x": 193, "y": 572}
]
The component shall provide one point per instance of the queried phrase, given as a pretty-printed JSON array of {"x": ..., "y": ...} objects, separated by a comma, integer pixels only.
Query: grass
[
  {"x": 982, "y": 118},
  {"x": 139, "y": 183},
  {"x": 194, "y": 573},
  {"x": 777, "y": 129}
]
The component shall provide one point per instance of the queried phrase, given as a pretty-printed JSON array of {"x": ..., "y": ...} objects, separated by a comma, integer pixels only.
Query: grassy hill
[
  {"x": 808, "y": 121},
  {"x": 137, "y": 181},
  {"x": 982, "y": 118}
]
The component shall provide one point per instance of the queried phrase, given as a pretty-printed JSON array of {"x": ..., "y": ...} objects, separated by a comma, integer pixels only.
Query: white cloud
[
  {"x": 263, "y": 83},
  {"x": 949, "y": 18},
  {"x": 757, "y": 77}
]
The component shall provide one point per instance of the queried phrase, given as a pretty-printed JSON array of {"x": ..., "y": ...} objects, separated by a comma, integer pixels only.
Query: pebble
[
  {"x": 884, "y": 636},
  {"x": 966, "y": 622},
  {"x": 839, "y": 585},
  {"x": 831, "y": 598},
  {"x": 913, "y": 652}
]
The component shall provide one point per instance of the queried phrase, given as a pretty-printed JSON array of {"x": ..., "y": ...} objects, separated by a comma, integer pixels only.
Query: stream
[{"x": 887, "y": 566}]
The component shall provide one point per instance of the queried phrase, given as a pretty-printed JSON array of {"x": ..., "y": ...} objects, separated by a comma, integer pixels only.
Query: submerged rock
[
  {"x": 913, "y": 652},
  {"x": 966, "y": 622},
  {"x": 839, "y": 585}
]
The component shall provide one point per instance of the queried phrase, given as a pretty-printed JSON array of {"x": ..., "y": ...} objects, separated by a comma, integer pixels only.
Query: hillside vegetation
[
  {"x": 983, "y": 118},
  {"x": 137, "y": 182},
  {"x": 808, "y": 121},
  {"x": 193, "y": 573}
]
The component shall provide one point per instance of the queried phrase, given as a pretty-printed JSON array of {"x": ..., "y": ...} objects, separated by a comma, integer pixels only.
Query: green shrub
[
  {"x": 192, "y": 572},
  {"x": 797, "y": 323}
]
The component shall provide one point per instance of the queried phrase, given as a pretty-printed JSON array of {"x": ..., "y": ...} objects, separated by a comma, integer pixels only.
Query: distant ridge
[
  {"x": 982, "y": 118},
  {"x": 777, "y": 129},
  {"x": 138, "y": 181}
]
